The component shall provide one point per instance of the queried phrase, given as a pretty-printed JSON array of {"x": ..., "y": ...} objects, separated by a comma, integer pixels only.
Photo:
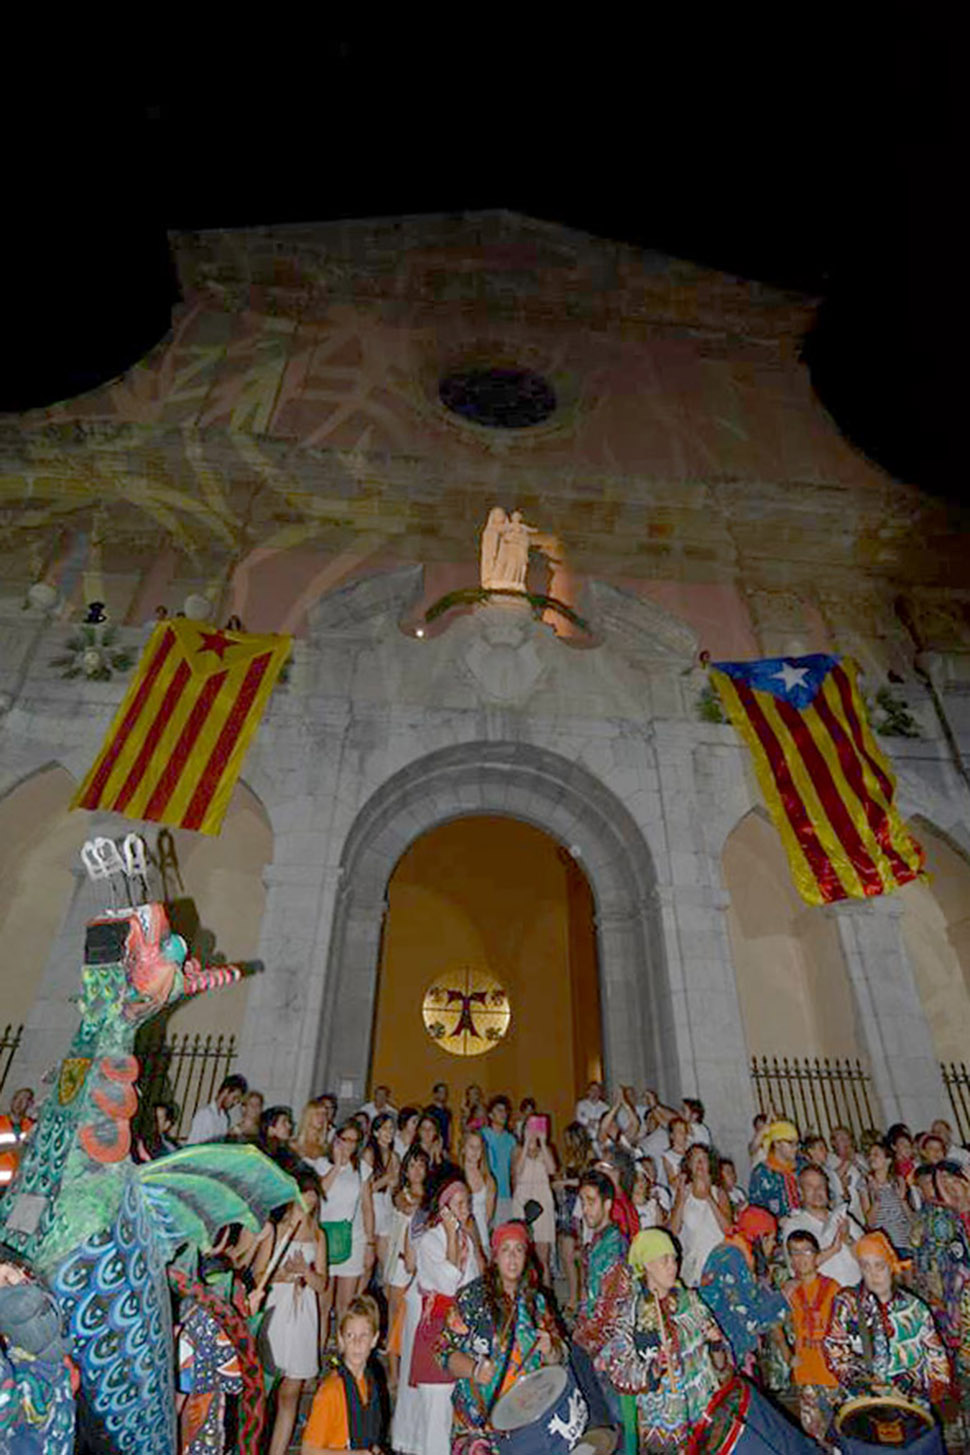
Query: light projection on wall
[{"x": 466, "y": 1012}]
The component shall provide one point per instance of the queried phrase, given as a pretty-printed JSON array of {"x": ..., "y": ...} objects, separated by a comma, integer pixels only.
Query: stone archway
[{"x": 569, "y": 803}]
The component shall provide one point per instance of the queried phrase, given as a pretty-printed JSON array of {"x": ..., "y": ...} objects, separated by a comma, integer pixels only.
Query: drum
[
  {"x": 542, "y": 1414},
  {"x": 739, "y": 1420},
  {"x": 885, "y": 1422}
]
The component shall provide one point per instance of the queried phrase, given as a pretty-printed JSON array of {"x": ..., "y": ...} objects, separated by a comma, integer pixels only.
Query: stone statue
[{"x": 505, "y": 550}]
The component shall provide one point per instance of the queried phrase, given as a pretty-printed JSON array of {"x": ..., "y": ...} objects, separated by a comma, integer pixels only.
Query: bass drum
[
  {"x": 887, "y": 1422},
  {"x": 739, "y": 1420},
  {"x": 542, "y": 1414}
]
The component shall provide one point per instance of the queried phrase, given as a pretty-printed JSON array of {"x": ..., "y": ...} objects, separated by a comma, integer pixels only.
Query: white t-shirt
[
  {"x": 958, "y": 1154},
  {"x": 208, "y": 1125},
  {"x": 591, "y": 1113},
  {"x": 698, "y": 1133},
  {"x": 371, "y": 1111},
  {"x": 843, "y": 1266}
]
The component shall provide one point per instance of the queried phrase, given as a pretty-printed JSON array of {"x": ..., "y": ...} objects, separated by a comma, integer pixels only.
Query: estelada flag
[
  {"x": 828, "y": 786},
  {"x": 178, "y": 740}
]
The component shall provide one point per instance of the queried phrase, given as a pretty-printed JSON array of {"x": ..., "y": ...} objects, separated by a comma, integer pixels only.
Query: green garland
[
  {"x": 94, "y": 639},
  {"x": 479, "y": 595}
]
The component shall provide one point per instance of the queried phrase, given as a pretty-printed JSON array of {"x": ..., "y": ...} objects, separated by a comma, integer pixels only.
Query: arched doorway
[
  {"x": 568, "y": 802},
  {"x": 496, "y": 904}
]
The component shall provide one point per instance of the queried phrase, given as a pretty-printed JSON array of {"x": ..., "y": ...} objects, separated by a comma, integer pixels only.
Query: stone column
[
  {"x": 53, "y": 1017},
  {"x": 892, "y": 1025},
  {"x": 625, "y": 1002},
  {"x": 277, "y": 1041}
]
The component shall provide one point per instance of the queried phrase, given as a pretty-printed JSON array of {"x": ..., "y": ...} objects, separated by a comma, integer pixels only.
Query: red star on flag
[{"x": 215, "y": 642}]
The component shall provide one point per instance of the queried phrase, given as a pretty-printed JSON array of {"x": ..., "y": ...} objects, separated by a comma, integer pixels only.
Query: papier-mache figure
[{"x": 97, "y": 1228}]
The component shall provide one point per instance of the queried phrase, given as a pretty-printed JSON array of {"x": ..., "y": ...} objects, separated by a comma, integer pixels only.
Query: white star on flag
[{"x": 792, "y": 676}]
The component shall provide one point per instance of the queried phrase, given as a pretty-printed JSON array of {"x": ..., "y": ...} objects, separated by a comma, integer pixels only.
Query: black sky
[{"x": 821, "y": 158}]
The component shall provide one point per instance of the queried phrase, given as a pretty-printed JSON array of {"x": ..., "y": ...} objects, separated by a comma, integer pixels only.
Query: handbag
[
  {"x": 425, "y": 1366},
  {"x": 340, "y": 1238}
]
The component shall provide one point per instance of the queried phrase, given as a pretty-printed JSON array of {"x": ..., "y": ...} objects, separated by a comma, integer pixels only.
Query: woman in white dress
[
  {"x": 409, "y": 1201},
  {"x": 481, "y": 1184},
  {"x": 533, "y": 1165},
  {"x": 294, "y": 1264},
  {"x": 447, "y": 1259},
  {"x": 701, "y": 1214},
  {"x": 407, "y": 1126},
  {"x": 346, "y": 1198},
  {"x": 385, "y": 1165}
]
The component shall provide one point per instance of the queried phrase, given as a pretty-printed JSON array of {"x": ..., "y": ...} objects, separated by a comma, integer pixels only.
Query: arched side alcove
[
  {"x": 793, "y": 984},
  {"x": 39, "y": 843},
  {"x": 223, "y": 876},
  {"x": 936, "y": 931},
  {"x": 570, "y": 804}
]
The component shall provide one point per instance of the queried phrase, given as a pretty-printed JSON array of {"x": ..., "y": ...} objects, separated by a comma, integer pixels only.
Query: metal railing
[
  {"x": 816, "y": 1094},
  {"x": 956, "y": 1079},
  {"x": 9, "y": 1042},
  {"x": 186, "y": 1070}
]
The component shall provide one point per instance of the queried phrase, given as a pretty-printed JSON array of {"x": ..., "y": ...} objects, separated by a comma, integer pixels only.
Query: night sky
[{"x": 817, "y": 158}]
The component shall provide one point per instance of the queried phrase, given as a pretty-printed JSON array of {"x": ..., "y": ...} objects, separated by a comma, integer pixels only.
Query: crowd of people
[{"x": 436, "y": 1256}]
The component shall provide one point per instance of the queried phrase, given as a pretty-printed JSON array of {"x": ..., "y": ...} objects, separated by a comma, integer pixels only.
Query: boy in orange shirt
[
  {"x": 346, "y": 1413},
  {"x": 810, "y": 1295}
]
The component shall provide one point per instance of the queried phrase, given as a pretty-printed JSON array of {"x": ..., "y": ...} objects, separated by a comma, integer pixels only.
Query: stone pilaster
[{"x": 892, "y": 1026}]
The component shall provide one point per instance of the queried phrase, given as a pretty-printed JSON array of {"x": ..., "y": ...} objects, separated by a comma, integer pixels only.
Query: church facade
[{"x": 317, "y": 449}]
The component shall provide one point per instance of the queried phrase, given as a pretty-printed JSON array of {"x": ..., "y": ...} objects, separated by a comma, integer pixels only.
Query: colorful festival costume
[
  {"x": 811, "y": 1308},
  {"x": 774, "y": 1187},
  {"x": 96, "y": 1226},
  {"x": 894, "y": 1343},
  {"x": 941, "y": 1267},
  {"x": 659, "y": 1352},
  {"x": 743, "y": 1305},
  {"x": 470, "y": 1330},
  {"x": 36, "y": 1391}
]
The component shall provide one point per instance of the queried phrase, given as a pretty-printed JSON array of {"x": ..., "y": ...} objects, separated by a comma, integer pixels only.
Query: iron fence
[
  {"x": 186, "y": 1070},
  {"x": 816, "y": 1094},
  {"x": 9, "y": 1043},
  {"x": 956, "y": 1079}
]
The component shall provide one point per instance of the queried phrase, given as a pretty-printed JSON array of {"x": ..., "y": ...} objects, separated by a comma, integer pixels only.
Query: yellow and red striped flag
[
  {"x": 177, "y": 742},
  {"x": 828, "y": 786}
]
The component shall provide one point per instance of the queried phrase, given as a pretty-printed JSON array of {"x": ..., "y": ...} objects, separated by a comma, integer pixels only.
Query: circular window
[
  {"x": 466, "y": 1013},
  {"x": 498, "y": 398}
]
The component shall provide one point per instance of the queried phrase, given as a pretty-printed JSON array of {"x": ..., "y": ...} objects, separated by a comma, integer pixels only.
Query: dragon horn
[{"x": 197, "y": 979}]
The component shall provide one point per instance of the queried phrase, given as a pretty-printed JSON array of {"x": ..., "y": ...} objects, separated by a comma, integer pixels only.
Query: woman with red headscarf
[
  {"x": 735, "y": 1285},
  {"x": 499, "y": 1329}
]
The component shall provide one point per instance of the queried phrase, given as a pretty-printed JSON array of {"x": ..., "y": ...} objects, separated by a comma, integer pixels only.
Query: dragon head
[{"x": 152, "y": 961}]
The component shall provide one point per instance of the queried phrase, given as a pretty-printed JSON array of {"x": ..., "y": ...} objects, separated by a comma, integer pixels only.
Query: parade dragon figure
[{"x": 92, "y": 1225}]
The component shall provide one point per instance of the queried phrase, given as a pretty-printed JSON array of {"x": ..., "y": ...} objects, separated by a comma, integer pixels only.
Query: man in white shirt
[
  {"x": 211, "y": 1123},
  {"x": 379, "y": 1104},
  {"x": 954, "y": 1152},
  {"x": 836, "y": 1230},
  {"x": 591, "y": 1110}
]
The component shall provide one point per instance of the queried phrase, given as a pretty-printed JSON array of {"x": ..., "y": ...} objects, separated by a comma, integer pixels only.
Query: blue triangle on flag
[{"x": 791, "y": 679}]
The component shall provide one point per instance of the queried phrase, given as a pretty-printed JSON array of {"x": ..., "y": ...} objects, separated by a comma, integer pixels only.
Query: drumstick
[
  {"x": 665, "y": 1342},
  {"x": 274, "y": 1262}
]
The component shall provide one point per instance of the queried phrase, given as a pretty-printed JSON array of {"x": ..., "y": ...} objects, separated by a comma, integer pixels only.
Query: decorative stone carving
[
  {"x": 502, "y": 658},
  {"x": 505, "y": 551}
]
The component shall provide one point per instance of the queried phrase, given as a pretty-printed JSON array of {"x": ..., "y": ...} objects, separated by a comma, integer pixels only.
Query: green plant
[
  {"x": 891, "y": 717},
  {"x": 478, "y": 595},
  {"x": 90, "y": 652},
  {"x": 709, "y": 707}
]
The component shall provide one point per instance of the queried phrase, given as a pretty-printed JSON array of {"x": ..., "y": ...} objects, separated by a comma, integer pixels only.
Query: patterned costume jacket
[
  {"x": 870, "y": 1342},
  {"x": 744, "y": 1307},
  {"x": 774, "y": 1190},
  {"x": 470, "y": 1330},
  {"x": 941, "y": 1267},
  {"x": 604, "y": 1279},
  {"x": 669, "y": 1372}
]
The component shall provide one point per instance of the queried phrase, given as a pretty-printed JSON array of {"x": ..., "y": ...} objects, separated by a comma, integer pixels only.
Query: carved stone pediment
[
  {"x": 636, "y": 627},
  {"x": 368, "y": 606}
]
